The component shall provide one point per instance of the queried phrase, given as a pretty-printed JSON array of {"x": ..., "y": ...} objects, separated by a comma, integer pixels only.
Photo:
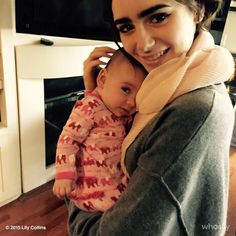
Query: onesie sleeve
[{"x": 75, "y": 131}]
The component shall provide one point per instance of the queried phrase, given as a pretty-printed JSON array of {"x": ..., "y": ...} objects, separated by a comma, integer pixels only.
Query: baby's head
[{"x": 118, "y": 84}]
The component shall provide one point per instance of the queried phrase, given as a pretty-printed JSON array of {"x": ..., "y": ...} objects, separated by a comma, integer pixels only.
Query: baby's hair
[
  {"x": 112, "y": 58},
  {"x": 131, "y": 59}
]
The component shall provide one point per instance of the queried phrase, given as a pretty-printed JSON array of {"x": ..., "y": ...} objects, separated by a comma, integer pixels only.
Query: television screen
[{"x": 86, "y": 19}]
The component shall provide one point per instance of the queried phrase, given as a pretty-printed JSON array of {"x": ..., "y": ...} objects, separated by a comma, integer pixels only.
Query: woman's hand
[{"x": 92, "y": 65}]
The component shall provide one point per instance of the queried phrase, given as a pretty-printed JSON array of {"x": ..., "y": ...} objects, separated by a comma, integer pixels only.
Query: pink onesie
[{"x": 89, "y": 152}]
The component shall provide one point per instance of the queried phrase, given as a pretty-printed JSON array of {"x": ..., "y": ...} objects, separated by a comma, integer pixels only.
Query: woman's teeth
[{"x": 157, "y": 56}]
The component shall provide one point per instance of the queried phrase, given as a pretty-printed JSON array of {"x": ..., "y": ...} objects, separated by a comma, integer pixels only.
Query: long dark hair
[{"x": 210, "y": 8}]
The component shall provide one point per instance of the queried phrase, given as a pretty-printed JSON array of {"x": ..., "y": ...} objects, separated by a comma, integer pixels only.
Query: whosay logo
[{"x": 215, "y": 227}]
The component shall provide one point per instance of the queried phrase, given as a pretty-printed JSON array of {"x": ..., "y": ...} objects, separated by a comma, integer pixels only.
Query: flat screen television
[{"x": 86, "y": 19}]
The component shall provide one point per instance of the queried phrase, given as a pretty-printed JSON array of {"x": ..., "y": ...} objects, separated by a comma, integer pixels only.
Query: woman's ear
[
  {"x": 101, "y": 78},
  {"x": 199, "y": 15}
]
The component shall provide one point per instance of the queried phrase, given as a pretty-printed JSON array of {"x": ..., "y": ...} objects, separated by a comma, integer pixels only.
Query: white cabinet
[
  {"x": 10, "y": 167},
  {"x": 10, "y": 177}
]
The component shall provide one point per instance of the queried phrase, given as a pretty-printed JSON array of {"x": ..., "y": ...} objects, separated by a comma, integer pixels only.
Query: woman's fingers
[
  {"x": 94, "y": 63},
  {"x": 95, "y": 57},
  {"x": 100, "y": 52}
]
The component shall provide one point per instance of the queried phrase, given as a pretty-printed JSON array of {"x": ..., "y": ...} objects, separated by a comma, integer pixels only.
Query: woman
[{"x": 176, "y": 153}]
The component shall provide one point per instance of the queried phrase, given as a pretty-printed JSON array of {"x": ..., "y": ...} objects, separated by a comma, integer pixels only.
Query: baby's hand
[
  {"x": 92, "y": 65},
  {"x": 63, "y": 187}
]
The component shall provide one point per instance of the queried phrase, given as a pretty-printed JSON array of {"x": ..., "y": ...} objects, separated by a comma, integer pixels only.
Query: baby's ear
[{"x": 101, "y": 78}]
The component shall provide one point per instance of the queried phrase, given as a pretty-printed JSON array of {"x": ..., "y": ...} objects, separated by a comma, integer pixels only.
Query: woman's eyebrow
[
  {"x": 151, "y": 10},
  {"x": 142, "y": 14},
  {"x": 122, "y": 21}
]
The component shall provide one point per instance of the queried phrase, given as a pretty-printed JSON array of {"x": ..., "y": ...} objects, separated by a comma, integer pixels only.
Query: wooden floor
[{"x": 39, "y": 213}]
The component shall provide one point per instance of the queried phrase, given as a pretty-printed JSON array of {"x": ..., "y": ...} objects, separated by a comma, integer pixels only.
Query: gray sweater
[{"x": 179, "y": 173}]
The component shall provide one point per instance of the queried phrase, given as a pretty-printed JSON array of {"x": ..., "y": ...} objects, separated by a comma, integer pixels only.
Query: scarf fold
[{"x": 205, "y": 64}]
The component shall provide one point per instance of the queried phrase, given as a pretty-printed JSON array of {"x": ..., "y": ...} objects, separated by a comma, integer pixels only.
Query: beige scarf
[{"x": 205, "y": 64}]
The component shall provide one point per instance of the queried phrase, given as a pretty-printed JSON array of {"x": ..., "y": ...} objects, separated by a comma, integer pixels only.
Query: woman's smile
[{"x": 154, "y": 59}]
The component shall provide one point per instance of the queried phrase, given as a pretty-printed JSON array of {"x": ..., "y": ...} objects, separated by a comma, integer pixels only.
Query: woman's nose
[{"x": 145, "y": 41}]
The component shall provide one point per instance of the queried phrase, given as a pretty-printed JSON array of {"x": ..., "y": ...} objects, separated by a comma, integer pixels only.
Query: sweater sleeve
[
  {"x": 74, "y": 133},
  {"x": 178, "y": 184}
]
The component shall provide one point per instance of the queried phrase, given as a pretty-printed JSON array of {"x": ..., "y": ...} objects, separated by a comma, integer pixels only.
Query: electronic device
[{"x": 85, "y": 19}]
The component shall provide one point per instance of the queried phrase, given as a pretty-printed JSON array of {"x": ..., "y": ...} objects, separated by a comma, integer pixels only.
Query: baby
[{"x": 88, "y": 169}]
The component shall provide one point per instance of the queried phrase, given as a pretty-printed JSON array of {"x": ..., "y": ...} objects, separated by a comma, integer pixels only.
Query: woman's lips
[{"x": 154, "y": 59}]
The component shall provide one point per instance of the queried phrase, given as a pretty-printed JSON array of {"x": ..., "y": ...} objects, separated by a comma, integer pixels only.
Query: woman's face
[{"x": 154, "y": 31}]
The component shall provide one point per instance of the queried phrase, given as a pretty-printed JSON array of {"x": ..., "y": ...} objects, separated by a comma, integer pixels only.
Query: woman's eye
[
  {"x": 158, "y": 18},
  {"x": 126, "y": 90},
  {"x": 125, "y": 28}
]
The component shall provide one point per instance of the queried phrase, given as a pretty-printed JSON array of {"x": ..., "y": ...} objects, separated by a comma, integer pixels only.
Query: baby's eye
[
  {"x": 158, "y": 18},
  {"x": 125, "y": 28},
  {"x": 126, "y": 90}
]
